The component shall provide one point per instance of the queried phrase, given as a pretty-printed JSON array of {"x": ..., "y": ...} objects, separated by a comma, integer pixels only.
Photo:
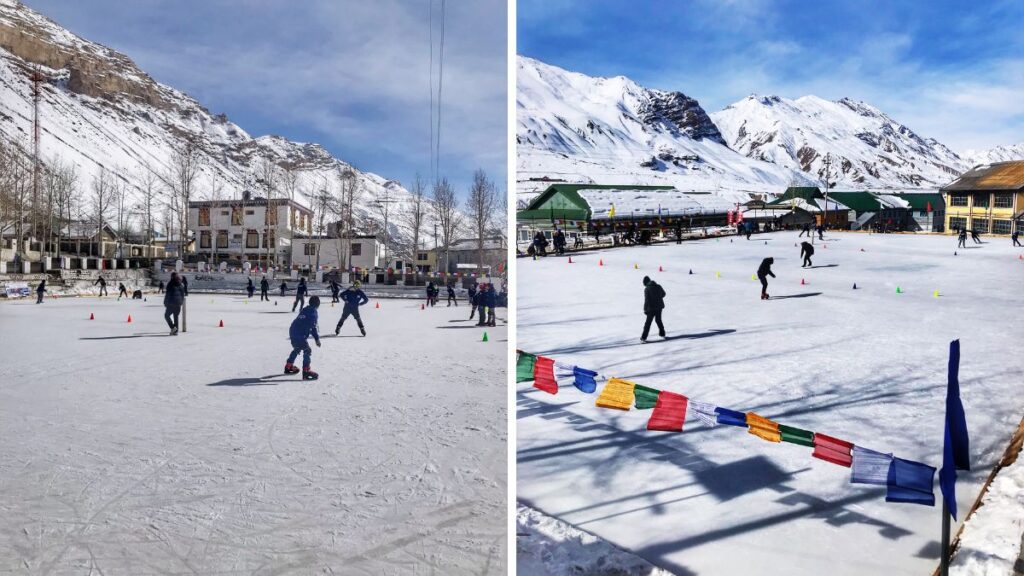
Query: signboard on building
[{"x": 18, "y": 290}]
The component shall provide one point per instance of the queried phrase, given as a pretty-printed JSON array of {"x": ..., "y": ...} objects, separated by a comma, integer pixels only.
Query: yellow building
[{"x": 988, "y": 199}]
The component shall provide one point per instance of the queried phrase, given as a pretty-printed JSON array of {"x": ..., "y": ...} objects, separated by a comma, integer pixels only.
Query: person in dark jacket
[
  {"x": 121, "y": 290},
  {"x": 962, "y": 238},
  {"x": 300, "y": 295},
  {"x": 335, "y": 290},
  {"x": 806, "y": 229},
  {"x": 490, "y": 302},
  {"x": 184, "y": 284},
  {"x": 1016, "y": 233},
  {"x": 451, "y": 296},
  {"x": 806, "y": 251},
  {"x": 103, "y": 286},
  {"x": 284, "y": 288},
  {"x": 250, "y": 287},
  {"x": 137, "y": 295},
  {"x": 679, "y": 233},
  {"x": 301, "y": 329},
  {"x": 430, "y": 293},
  {"x": 40, "y": 290},
  {"x": 174, "y": 297},
  {"x": 975, "y": 237},
  {"x": 354, "y": 297},
  {"x": 471, "y": 297},
  {"x": 654, "y": 303},
  {"x": 750, "y": 229},
  {"x": 264, "y": 290},
  {"x": 160, "y": 288},
  {"x": 763, "y": 272},
  {"x": 481, "y": 304},
  {"x": 559, "y": 241},
  {"x": 821, "y": 231}
]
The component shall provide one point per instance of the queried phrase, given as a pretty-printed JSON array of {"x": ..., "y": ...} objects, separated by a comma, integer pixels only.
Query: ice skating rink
[
  {"x": 865, "y": 365},
  {"x": 126, "y": 451}
]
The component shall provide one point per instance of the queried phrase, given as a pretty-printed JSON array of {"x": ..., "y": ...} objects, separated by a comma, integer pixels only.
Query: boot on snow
[
  {"x": 290, "y": 369},
  {"x": 363, "y": 330},
  {"x": 308, "y": 374}
]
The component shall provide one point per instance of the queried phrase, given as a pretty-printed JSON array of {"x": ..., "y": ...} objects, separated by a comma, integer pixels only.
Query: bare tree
[
  {"x": 63, "y": 187},
  {"x": 184, "y": 170},
  {"x": 383, "y": 198},
  {"x": 414, "y": 216},
  {"x": 100, "y": 202},
  {"x": 149, "y": 186},
  {"x": 267, "y": 175},
  {"x": 15, "y": 192},
  {"x": 480, "y": 205},
  {"x": 119, "y": 194},
  {"x": 349, "y": 191},
  {"x": 447, "y": 215}
]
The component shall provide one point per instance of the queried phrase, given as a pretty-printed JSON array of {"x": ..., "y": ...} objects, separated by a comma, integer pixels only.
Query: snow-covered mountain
[
  {"x": 868, "y": 149},
  {"x": 99, "y": 110},
  {"x": 997, "y": 154},
  {"x": 614, "y": 131}
]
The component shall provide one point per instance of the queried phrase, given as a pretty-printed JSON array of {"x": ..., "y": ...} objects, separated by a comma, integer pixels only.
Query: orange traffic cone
[
  {"x": 92, "y": 316},
  {"x": 378, "y": 305},
  {"x": 129, "y": 318},
  {"x": 221, "y": 324}
]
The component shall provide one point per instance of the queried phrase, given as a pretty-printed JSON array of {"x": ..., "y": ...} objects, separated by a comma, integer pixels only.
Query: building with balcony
[
  {"x": 252, "y": 229},
  {"x": 988, "y": 199}
]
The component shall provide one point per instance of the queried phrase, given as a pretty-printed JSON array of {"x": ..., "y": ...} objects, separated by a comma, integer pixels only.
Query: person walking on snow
[
  {"x": 654, "y": 303},
  {"x": 805, "y": 230},
  {"x": 679, "y": 233},
  {"x": 174, "y": 297},
  {"x": 451, "y": 296},
  {"x": 250, "y": 287},
  {"x": 806, "y": 251},
  {"x": 300, "y": 295},
  {"x": 301, "y": 329},
  {"x": 160, "y": 288},
  {"x": 1014, "y": 236},
  {"x": 354, "y": 297},
  {"x": 763, "y": 272},
  {"x": 821, "y": 232},
  {"x": 40, "y": 290},
  {"x": 962, "y": 238},
  {"x": 103, "y": 286},
  {"x": 335, "y": 289},
  {"x": 264, "y": 290},
  {"x": 284, "y": 288}
]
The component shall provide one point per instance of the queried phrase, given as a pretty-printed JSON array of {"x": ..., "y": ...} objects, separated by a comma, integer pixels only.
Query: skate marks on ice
[
  {"x": 788, "y": 296},
  {"x": 137, "y": 335}
]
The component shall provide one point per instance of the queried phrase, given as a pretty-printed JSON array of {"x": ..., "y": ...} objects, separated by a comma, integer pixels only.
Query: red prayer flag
[
  {"x": 669, "y": 412},
  {"x": 544, "y": 375},
  {"x": 928, "y": 208},
  {"x": 833, "y": 450}
]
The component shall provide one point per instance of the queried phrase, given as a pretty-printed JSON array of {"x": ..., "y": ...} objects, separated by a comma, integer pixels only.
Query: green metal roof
[
  {"x": 563, "y": 201},
  {"x": 859, "y": 202},
  {"x": 919, "y": 201}
]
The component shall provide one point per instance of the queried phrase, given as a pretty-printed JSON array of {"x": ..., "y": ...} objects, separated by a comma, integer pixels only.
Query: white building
[
  {"x": 248, "y": 230},
  {"x": 464, "y": 254},
  {"x": 364, "y": 252}
]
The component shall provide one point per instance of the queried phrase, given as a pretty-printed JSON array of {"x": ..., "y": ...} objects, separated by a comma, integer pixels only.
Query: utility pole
[
  {"x": 828, "y": 183},
  {"x": 37, "y": 79}
]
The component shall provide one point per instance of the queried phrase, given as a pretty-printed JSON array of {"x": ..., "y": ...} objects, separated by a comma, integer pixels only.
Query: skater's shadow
[
  {"x": 467, "y": 320},
  {"x": 281, "y": 312},
  {"x": 268, "y": 380},
  {"x": 804, "y": 295},
  {"x": 824, "y": 266},
  {"x": 141, "y": 335},
  {"x": 458, "y": 327},
  {"x": 696, "y": 336}
]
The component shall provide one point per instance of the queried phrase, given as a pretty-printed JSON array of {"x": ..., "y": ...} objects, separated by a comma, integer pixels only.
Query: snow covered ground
[
  {"x": 126, "y": 451},
  {"x": 865, "y": 365}
]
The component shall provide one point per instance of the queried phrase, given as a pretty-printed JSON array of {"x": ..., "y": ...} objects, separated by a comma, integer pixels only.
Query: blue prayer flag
[
  {"x": 731, "y": 417},
  {"x": 910, "y": 482},
  {"x": 584, "y": 379},
  {"x": 956, "y": 445}
]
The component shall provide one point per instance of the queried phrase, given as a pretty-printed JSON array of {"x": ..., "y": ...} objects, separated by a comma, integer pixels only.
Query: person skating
[
  {"x": 654, "y": 303},
  {"x": 471, "y": 298},
  {"x": 121, "y": 290},
  {"x": 40, "y": 290},
  {"x": 490, "y": 302},
  {"x": 962, "y": 238},
  {"x": 577, "y": 243},
  {"x": 975, "y": 237},
  {"x": 679, "y": 233},
  {"x": 451, "y": 296},
  {"x": 763, "y": 272},
  {"x": 559, "y": 241},
  {"x": 301, "y": 329},
  {"x": 103, "y": 286},
  {"x": 805, "y": 230},
  {"x": 264, "y": 290},
  {"x": 300, "y": 295},
  {"x": 806, "y": 251},
  {"x": 749, "y": 229},
  {"x": 821, "y": 232},
  {"x": 160, "y": 288},
  {"x": 284, "y": 288},
  {"x": 1014, "y": 236},
  {"x": 354, "y": 297},
  {"x": 335, "y": 289},
  {"x": 250, "y": 287},
  {"x": 174, "y": 297},
  {"x": 481, "y": 303}
]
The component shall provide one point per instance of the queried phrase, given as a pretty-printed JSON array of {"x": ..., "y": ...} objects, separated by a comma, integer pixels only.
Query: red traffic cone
[
  {"x": 1021, "y": 257},
  {"x": 129, "y": 318},
  {"x": 221, "y": 324},
  {"x": 423, "y": 306},
  {"x": 660, "y": 269},
  {"x": 802, "y": 282},
  {"x": 92, "y": 316},
  {"x": 570, "y": 259},
  {"x": 378, "y": 305},
  {"x": 600, "y": 262}
]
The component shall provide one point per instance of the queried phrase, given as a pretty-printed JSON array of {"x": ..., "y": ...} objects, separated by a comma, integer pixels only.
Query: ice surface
[
  {"x": 125, "y": 451},
  {"x": 867, "y": 366}
]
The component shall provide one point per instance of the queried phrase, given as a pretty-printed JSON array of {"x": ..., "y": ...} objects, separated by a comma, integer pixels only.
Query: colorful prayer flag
[
  {"x": 731, "y": 417},
  {"x": 870, "y": 467},
  {"x": 705, "y": 412},
  {"x": 956, "y": 444},
  {"x": 796, "y": 435},
  {"x": 644, "y": 397},
  {"x": 524, "y": 367},
  {"x": 832, "y": 450},
  {"x": 544, "y": 375},
  {"x": 910, "y": 482},
  {"x": 611, "y": 213},
  {"x": 616, "y": 394},
  {"x": 584, "y": 379},
  {"x": 669, "y": 412},
  {"x": 763, "y": 428}
]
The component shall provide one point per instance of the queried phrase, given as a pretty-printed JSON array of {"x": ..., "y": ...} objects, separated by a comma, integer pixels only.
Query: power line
[{"x": 440, "y": 83}]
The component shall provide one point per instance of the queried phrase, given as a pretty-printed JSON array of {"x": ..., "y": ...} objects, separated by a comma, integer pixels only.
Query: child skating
[
  {"x": 763, "y": 271},
  {"x": 301, "y": 329},
  {"x": 354, "y": 297}
]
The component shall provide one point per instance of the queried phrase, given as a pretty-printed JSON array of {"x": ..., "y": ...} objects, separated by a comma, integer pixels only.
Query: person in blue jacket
[
  {"x": 301, "y": 329},
  {"x": 40, "y": 290},
  {"x": 250, "y": 288},
  {"x": 354, "y": 297},
  {"x": 300, "y": 295}
]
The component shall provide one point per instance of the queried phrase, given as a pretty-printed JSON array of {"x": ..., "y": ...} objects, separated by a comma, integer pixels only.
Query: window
[
  {"x": 958, "y": 199},
  {"x": 1000, "y": 226},
  {"x": 957, "y": 223},
  {"x": 269, "y": 238},
  {"x": 357, "y": 249},
  {"x": 223, "y": 212},
  {"x": 222, "y": 239},
  {"x": 204, "y": 239},
  {"x": 252, "y": 239},
  {"x": 204, "y": 216},
  {"x": 422, "y": 256},
  {"x": 1004, "y": 200},
  {"x": 236, "y": 215},
  {"x": 270, "y": 218},
  {"x": 250, "y": 212},
  {"x": 309, "y": 249},
  {"x": 979, "y": 225},
  {"x": 981, "y": 200}
]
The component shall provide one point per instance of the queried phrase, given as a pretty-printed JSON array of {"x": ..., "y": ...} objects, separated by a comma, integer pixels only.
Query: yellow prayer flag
[
  {"x": 616, "y": 394},
  {"x": 763, "y": 428},
  {"x": 611, "y": 213}
]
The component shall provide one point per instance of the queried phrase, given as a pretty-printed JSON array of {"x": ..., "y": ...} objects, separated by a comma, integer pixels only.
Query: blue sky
[
  {"x": 950, "y": 70},
  {"x": 352, "y": 75}
]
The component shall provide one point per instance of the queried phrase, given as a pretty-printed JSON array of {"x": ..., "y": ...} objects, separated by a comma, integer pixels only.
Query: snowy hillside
[
  {"x": 99, "y": 110},
  {"x": 614, "y": 131},
  {"x": 868, "y": 148},
  {"x": 997, "y": 154}
]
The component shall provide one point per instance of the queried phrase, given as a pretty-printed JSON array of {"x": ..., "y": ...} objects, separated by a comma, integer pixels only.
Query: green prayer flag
[
  {"x": 524, "y": 367},
  {"x": 645, "y": 398},
  {"x": 796, "y": 435}
]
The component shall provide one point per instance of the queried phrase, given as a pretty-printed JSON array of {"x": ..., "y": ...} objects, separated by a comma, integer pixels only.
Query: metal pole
[
  {"x": 184, "y": 314},
  {"x": 944, "y": 562}
]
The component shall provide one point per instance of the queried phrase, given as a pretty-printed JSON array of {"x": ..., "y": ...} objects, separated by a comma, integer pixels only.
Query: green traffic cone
[
  {"x": 898, "y": 291},
  {"x": 485, "y": 337}
]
